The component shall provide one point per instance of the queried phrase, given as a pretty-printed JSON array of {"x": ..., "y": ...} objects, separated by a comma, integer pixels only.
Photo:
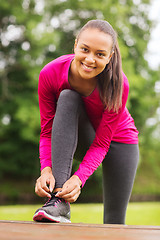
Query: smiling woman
[
  {"x": 82, "y": 100},
  {"x": 89, "y": 60}
]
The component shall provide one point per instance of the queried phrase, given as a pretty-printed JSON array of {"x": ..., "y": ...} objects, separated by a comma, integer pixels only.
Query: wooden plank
[{"x": 55, "y": 231}]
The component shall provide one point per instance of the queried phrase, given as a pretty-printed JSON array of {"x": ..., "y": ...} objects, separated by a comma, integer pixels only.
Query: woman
[{"x": 82, "y": 100}]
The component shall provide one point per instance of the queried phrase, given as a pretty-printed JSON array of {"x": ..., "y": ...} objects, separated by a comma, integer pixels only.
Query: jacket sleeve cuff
[
  {"x": 46, "y": 164},
  {"x": 81, "y": 177}
]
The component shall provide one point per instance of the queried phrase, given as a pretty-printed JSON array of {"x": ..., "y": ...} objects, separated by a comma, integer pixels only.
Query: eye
[
  {"x": 84, "y": 49},
  {"x": 100, "y": 54}
]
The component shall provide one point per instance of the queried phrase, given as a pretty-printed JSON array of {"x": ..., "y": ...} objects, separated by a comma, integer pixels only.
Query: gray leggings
[{"x": 72, "y": 134}]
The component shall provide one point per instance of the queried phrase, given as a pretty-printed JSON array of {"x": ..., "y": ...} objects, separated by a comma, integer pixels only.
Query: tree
[{"x": 35, "y": 32}]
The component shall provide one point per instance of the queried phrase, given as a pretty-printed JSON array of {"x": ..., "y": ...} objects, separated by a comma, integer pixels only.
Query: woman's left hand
[{"x": 71, "y": 189}]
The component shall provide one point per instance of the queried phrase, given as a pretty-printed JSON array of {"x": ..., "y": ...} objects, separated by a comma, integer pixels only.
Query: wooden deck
[{"x": 17, "y": 230}]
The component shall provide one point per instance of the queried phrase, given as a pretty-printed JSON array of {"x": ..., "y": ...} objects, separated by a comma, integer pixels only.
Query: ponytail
[{"x": 110, "y": 82}]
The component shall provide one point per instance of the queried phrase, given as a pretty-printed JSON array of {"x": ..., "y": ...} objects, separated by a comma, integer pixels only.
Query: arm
[{"x": 47, "y": 103}]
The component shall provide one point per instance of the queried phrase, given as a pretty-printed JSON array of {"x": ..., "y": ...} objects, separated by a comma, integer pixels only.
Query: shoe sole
[{"x": 42, "y": 216}]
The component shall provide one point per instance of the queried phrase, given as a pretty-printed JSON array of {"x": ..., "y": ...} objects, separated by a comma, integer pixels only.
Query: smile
[{"x": 87, "y": 68}]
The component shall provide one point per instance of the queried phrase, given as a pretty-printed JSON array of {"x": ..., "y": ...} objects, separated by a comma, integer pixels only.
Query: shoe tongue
[{"x": 51, "y": 200}]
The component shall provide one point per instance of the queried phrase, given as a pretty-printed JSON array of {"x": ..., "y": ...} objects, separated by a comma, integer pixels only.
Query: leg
[
  {"x": 64, "y": 135},
  {"x": 64, "y": 142},
  {"x": 86, "y": 135},
  {"x": 119, "y": 169}
]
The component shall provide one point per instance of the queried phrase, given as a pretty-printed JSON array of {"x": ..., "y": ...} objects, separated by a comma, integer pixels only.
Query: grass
[{"x": 138, "y": 213}]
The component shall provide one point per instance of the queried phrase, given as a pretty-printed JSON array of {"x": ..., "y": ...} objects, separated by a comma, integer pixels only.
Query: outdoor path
[{"x": 17, "y": 230}]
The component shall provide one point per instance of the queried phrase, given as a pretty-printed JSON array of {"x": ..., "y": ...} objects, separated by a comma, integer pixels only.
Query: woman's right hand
[{"x": 45, "y": 183}]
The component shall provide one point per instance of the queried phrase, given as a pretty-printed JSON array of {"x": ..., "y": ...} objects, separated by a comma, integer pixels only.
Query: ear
[{"x": 75, "y": 44}]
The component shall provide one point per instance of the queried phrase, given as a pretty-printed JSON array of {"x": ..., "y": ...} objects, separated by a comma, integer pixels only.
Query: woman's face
[{"x": 92, "y": 53}]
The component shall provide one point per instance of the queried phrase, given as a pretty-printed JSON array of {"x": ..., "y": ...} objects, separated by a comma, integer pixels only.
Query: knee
[
  {"x": 68, "y": 93},
  {"x": 69, "y": 97}
]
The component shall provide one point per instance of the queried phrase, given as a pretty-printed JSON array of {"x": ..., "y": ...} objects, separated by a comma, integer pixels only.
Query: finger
[
  {"x": 51, "y": 184},
  {"x": 68, "y": 189},
  {"x": 64, "y": 191},
  {"x": 43, "y": 193},
  {"x": 36, "y": 188},
  {"x": 72, "y": 198},
  {"x": 43, "y": 184},
  {"x": 40, "y": 191},
  {"x": 71, "y": 195}
]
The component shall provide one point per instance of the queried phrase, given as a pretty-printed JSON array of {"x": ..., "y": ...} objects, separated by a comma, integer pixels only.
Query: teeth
[{"x": 87, "y": 67}]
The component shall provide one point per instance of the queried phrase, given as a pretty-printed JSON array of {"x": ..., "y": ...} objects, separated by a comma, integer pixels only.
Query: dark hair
[{"x": 110, "y": 80}]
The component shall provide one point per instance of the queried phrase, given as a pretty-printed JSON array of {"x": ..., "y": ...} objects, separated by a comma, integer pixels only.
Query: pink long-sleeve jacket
[{"x": 109, "y": 126}]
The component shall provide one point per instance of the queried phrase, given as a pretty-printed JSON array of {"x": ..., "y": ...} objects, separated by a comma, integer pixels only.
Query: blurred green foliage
[{"x": 33, "y": 33}]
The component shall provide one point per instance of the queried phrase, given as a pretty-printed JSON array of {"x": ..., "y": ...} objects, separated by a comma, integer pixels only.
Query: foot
[{"x": 54, "y": 210}]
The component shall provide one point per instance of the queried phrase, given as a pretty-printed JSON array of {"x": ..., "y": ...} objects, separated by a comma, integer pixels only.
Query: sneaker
[{"x": 54, "y": 210}]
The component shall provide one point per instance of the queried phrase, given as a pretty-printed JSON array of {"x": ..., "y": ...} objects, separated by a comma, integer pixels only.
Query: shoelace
[{"x": 52, "y": 201}]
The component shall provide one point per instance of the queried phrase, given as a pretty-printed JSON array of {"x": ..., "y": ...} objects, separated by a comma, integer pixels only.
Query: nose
[{"x": 90, "y": 58}]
